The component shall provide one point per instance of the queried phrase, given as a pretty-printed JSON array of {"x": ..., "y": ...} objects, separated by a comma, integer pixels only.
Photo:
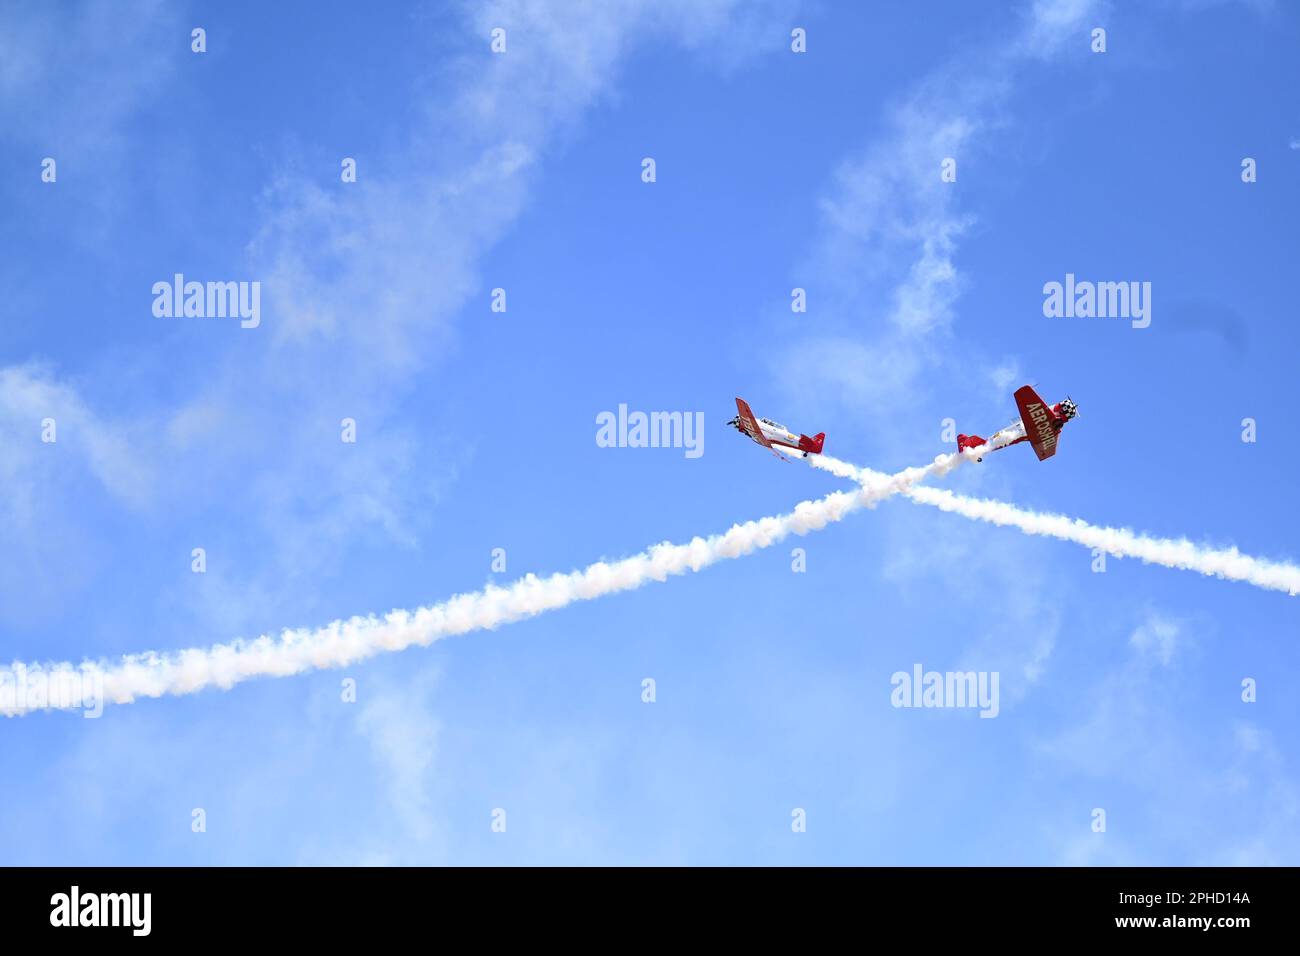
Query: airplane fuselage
[
  {"x": 774, "y": 433},
  {"x": 1048, "y": 423},
  {"x": 1040, "y": 424}
]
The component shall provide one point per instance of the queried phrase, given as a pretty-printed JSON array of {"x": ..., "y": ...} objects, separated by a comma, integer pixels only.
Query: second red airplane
[{"x": 1040, "y": 424}]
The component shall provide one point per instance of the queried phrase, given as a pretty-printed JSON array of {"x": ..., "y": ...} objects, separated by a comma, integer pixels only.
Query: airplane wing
[
  {"x": 751, "y": 428},
  {"x": 1039, "y": 422},
  {"x": 751, "y": 423}
]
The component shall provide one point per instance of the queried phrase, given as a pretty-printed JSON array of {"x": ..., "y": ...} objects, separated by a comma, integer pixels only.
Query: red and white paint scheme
[
  {"x": 1040, "y": 425},
  {"x": 769, "y": 433}
]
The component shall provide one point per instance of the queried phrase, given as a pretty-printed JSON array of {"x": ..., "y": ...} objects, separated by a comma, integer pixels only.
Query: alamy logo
[
  {"x": 209, "y": 300},
  {"x": 653, "y": 430},
  {"x": 24, "y": 688},
  {"x": 102, "y": 909},
  {"x": 1102, "y": 300},
  {"x": 922, "y": 688}
]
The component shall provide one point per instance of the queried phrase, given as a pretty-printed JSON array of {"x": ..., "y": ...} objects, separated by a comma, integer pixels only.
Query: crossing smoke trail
[
  {"x": 346, "y": 642},
  {"x": 1181, "y": 554}
]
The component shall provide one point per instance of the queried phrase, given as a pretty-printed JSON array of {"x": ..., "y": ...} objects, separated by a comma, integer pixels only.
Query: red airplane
[
  {"x": 768, "y": 433},
  {"x": 1039, "y": 424}
]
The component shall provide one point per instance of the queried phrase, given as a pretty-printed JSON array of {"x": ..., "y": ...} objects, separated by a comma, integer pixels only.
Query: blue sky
[{"x": 476, "y": 430}]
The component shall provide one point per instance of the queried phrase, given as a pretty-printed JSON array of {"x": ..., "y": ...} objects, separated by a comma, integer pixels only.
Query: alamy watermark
[
  {"x": 208, "y": 300},
  {"x": 128, "y": 910},
  {"x": 24, "y": 689},
  {"x": 651, "y": 430},
  {"x": 922, "y": 688},
  {"x": 1103, "y": 300}
]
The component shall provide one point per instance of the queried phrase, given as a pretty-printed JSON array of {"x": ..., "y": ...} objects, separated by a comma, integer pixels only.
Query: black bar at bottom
[{"x": 335, "y": 906}]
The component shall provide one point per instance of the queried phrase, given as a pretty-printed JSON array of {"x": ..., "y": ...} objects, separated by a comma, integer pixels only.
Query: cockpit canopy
[{"x": 768, "y": 421}]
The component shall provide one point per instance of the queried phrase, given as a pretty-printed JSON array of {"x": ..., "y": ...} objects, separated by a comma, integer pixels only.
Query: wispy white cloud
[
  {"x": 385, "y": 263},
  {"x": 1158, "y": 638},
  {"x": 30, "y": 395},
  {"x": 70, "y": 74},
  {"x": 363, "y": 282},
  {"x": 886, "y": 259},
  {"x": 1222, "y": 780},
  {"x": 44, "y": 554},
  {"x": 402, "y": 729}
]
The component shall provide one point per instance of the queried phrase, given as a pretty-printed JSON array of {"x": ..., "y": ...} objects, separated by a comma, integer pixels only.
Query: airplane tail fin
[
  {"x": 968, "y": 441},
  {"x": 813, "y": 444}
]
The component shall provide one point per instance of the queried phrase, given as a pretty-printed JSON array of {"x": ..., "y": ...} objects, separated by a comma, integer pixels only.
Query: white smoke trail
[
  {"x": 346, "y": 642},
  {"x": 1228, "y": 563},
  {"x": 1180, "y": 554}
]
